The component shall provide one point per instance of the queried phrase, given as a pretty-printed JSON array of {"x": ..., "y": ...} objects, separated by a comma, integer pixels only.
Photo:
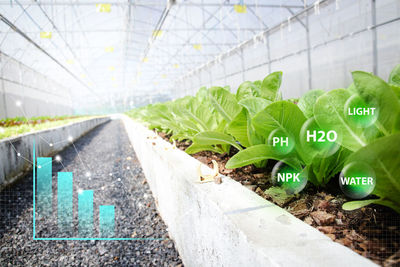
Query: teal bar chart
[
  {"x": 68, "y": 228},
  {"x": 44, "y": 187},
  {"x": 85, "y": 213},
  {"x": 64, "y": 198},
  {"x": 107, "y": 221}
]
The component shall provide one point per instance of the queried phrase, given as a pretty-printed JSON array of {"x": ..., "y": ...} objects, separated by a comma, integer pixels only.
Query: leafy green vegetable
[
  {"x": 394, "y": 80},
  {"x": 215, "y": 138},
  {"x": 247, "y": 89},
  {"x": 256, "y": 154},
  {"x": 215, "y": 120},
  {"x": 394, "y": 77},
  {"x": 270, "y": 86},
  {"x": 330, "y": 114},
  {"x": 383, "y": 156},
  {"x": 254, "y": 104},
  {"x": 285, "y": 116},
  {"x": 17, "y": 129},
  {"x": 322, "y": 169},
  {"x": 308, "y": 100},
  {"x": 374, "y": 89},
  {"x": 225, "y": 103},
  {"x": 195, "y": 148}
]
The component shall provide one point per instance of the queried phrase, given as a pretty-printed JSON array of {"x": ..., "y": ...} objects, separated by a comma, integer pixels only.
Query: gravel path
[{"x": 106, "y": 163}]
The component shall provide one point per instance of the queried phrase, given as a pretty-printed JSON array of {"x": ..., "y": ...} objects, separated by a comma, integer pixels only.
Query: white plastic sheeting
[
  {"x": 142, "y": 51},
  {"x": 27, "y": 93},
  {"x": 341, "y": 40},
  {"x": 153, "y": 42}
]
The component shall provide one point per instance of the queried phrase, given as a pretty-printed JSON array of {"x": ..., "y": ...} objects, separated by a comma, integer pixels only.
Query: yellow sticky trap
[
  {"x": 45, "y": 35},
  {"x": 103, "y": 8},
  {"x": 113, "y": 78},
  {"x": 197, "y": 46},
  {"x": 83, "y": 76},
  {"x": 240, "y": 8},
  {"x": 145, "y": 59},
  {"x": 109, "y": 49},
  {"x": 164, "y": 76},
  {"x": 111, "y": 68},
  {"x": 176, "y": 66},
  {"x": 157, "y": 33},
  {"x": 139, "y": 73},
  {"x": 90, "y": 83},
  {"x": 70, "y": 61}
]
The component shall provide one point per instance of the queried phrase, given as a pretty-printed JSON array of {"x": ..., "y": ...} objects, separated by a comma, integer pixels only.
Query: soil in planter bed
[{"x": 372, "y": 231}]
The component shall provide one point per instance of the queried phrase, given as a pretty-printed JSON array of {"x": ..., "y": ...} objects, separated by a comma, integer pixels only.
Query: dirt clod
[{"x": 322, "y": 217}]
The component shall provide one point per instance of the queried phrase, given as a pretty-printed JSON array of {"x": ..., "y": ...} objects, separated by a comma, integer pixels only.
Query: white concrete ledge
[
  {"x": 227, "y": 224},
  {"x": 13, "y": 166}
]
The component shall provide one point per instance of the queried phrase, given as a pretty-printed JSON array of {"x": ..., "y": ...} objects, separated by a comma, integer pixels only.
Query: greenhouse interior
[{"x": 200, "y": 133}]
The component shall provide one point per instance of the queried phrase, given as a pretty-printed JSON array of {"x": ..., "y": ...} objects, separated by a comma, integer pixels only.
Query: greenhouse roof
[{"x": 117, "y": 50}]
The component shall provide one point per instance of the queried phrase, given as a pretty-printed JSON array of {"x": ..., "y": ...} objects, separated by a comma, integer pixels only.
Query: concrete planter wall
[
  {"x": 227, "y": 224},
  {"x": 13, "y": 166}
]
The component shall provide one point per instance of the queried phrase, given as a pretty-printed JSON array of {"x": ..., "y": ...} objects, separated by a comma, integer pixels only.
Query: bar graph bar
[
  {"x": 44, "y": 187},
  {"x": 42, "y": 205},
  {"x": 85, "y": 213},
  {"x": 106, "y": 221},
  {"x": 64, "y": 198}
]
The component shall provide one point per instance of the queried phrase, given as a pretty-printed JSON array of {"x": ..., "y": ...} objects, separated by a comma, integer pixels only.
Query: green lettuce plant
[
  {"x": 238, "y": 111},
  {"x": 216, "y": 119},
  {"x": 383, "y": 156}
]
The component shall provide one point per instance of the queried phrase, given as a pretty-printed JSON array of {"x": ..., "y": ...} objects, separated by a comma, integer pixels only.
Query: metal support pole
[
  {"x": 200, "y": 80},
  {"x": 243, "y": 67},
  {"x": 211, "y": 80},
  {"x": 4, "y": 88},
  {"x": 225, "y": 81},
  {"x": 268, "y": 53},
  {"x": 308, "y": 53},
  {"x": 374, "y": 38},
  {"x": 23, "y": 89}
]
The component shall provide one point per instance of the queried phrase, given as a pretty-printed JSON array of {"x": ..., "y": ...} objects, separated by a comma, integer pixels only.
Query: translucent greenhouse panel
[
  {"x": 295, "y": 75},
  {"x": 3, "y": 105},
  {"x": 219, "y": 82},
  {"x": 26, "y": 92},
  {"x": 387, "y": 10},
  {"x": 388, "y": 40},
  {"x": 333, "y": 63},
  {"x": 234, "y": 81},
  {"x": 255, "y": 55},
  {"x": 333, "y": 23},
  {"x": 204, "y": 78},
  {"x": 10, "y": 70},
  {"x": 217, "y": 74},
  {"x": 13, "y": 98},
  {"x": 389, "y": 48},
  {"x": 233, "y": 64},
  {"x": 257, "y": 73},
  {"x": 285, "y": 43},
  {"x": 341, "y": 40}
]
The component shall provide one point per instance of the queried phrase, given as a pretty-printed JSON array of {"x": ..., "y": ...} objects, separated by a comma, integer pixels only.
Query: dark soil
[
  {"x": 372, "y": 231},
  {"x": 117, "y": 179}
]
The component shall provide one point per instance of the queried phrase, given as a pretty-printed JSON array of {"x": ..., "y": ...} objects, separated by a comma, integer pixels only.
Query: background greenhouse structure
[
  {"x": 147, "y": 51},
  {"x": 138, "y": 132}
]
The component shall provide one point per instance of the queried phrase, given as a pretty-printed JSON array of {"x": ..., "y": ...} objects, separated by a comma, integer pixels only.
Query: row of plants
[
  {"x": 9, "y": 122},
  {"x": 217, "y": 120},
  {"x": 18, "y": 126}
]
